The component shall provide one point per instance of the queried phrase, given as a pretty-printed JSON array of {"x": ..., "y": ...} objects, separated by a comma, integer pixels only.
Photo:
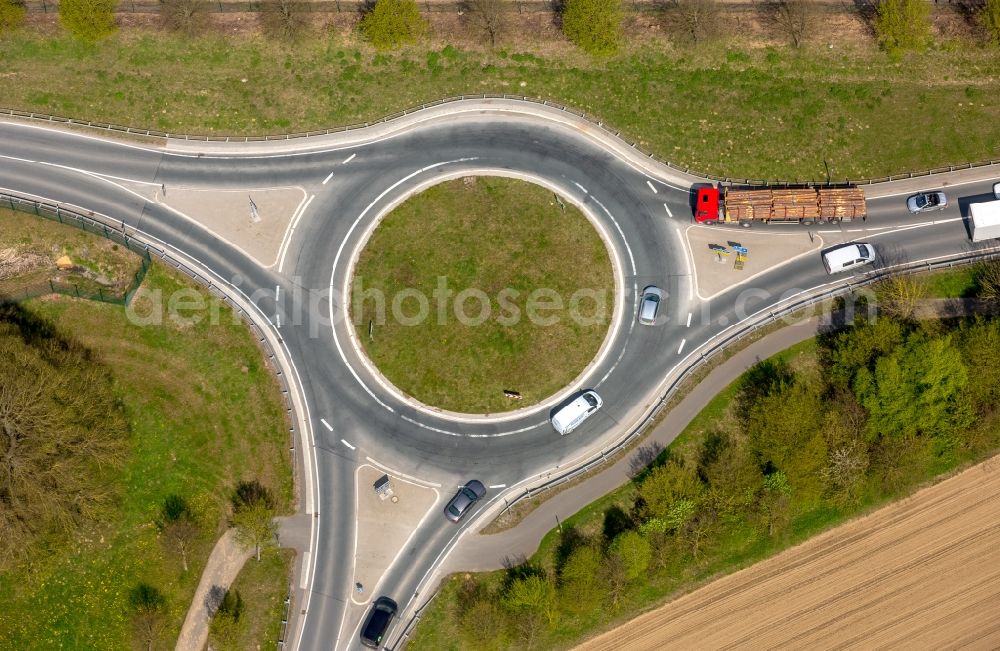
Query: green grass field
[
  {"x": 204, "y": 413},
  {"x": 758, "y": 113},
  {"x": 502, "y": 237}
]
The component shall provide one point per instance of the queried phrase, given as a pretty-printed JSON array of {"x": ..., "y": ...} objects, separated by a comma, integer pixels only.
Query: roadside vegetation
[
  {"x": 829, "y": 429},
  {"x": 120, "y": 444},
  {"x": 521, "y": 334}
]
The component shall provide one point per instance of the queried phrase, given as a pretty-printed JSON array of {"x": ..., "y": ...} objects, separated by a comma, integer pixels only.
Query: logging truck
[{"x": 807, "y": 205}]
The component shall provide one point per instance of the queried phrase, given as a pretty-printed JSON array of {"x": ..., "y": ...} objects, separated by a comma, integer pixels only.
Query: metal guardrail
[
  {"x": 633, "y": 144},
  {"x": 284, "y": 622},
  {"x": 116, "y": 229},
  {"x": 719, "y": 346}
]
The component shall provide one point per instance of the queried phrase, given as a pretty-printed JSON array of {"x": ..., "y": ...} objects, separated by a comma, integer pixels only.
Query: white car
[
  {"x": 569, "y": 417},
  {"x": 996, "y": 190}
]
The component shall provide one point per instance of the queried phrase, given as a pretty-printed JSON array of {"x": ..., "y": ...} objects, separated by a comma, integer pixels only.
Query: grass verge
[
  {"x": 204, "y": 412},
  {"x": 732, "y": 110},
  {"x": 487, "y": 286}
]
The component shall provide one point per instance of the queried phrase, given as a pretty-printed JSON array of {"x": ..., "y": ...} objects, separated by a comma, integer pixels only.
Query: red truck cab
[{"x": 707, "y": 206}]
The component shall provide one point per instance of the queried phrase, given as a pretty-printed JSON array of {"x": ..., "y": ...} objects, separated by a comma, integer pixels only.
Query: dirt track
[{"x": 923, "y": 573}]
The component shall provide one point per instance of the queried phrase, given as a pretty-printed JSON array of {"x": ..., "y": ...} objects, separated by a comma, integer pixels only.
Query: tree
[
  {"x": 979, "y": 343},
  {"x": 530, "y": 598},
  {"x": 489, "y": 17},
  {"x": 634, "y": 551},
  {"x": 285, "y": 20},
  {"x": 185, "y": 16},
  {"x": 12, "y": 13},
  {"x": 795, "y": 19},
  {"x": 668, "y": 484},
  {"x": 989, "y": 18},
  {"x": 255, "y": 526},
  {"x": 987, "y": 275},
  {"x": 226, "y": 624},
  {"x": 148, "y": 613},
  {"x": 900, "y": 295},
  {"x": 917, "y": 390},
  {"x": 88, "y": 20},
  {"x": 903, "y": 24},
  {"x": 696, "y": 21},
  {"x": 594, "y": 26},
  {"x": 774, "y": 501},
  {"x": 576, "y": 581},
  {"x": 249, "y": 493},
  {"x": 63, "y": 434},
  {"x": 392, "y": 23},
  {"x": 178, "y": 526}
]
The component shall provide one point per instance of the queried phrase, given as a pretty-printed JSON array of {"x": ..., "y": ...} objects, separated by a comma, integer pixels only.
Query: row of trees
[
  {"x": 593, "y": 25},
  {"x": 877, "y": 409}
]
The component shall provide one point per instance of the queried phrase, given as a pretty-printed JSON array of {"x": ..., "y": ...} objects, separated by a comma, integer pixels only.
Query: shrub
[
  {"x": 88, "y": 20},
  {"x": 392, "y": 23},
  {"x": 286, "y": 20},
  {"x": 185, "y": 16},
  {"x": 12, "y": 14},
  {"x": 989, "y": 17},
  {"x": 593, "y": 25},
  {"x": 903, "y": 24}
]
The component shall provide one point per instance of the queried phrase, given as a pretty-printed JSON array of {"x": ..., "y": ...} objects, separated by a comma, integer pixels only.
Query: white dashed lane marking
[{"x": 326, "y": 424}]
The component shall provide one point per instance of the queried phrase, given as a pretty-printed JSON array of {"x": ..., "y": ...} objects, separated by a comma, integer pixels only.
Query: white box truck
[{"x": 985, "y": 220}]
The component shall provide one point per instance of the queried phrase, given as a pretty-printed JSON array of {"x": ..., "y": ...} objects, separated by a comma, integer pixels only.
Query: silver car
[
  {"x": 996, "y": 190},
  {"x": 649, "y": 305},
  {"x": 926, "y": 202}
]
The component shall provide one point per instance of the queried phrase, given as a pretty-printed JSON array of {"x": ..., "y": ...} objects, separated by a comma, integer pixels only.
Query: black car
[
  {"x": 467, "y": 496},
  {"x": 377, "y": 622}
]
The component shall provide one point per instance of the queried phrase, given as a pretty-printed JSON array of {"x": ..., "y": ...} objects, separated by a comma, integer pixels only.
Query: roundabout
[{"x": 482, "y": 295}]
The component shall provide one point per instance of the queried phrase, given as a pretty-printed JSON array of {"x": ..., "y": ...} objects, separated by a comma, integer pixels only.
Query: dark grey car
[
  {"x": 377, "y": 622},
  {"x": 467, "y": 495}
]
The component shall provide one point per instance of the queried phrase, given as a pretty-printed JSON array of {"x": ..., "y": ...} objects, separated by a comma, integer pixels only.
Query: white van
[
  {"x": 847, "y": 256},
  {"x": 569, "y": 417}
]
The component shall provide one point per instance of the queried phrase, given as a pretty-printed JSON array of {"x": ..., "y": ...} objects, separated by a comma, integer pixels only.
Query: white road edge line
[
  {"x": 283, "y": 251},
  {"x": 348, "y": 444},
  {"x": 651, "y": 186},
  {"x": 692, "y": 274},
  {"x": 415, "y": 480},
  {"x": 328, "y": 177},
  {"x": 681, "y": 347},
  {"x": 667, "y": 208},
  {"x": 326, "y": 424}
]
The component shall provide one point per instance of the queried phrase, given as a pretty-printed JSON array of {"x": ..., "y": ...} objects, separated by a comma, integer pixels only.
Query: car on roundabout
[
  {"x": 926, "y": 202},
  {"x": 649, "y": 304},
  {"x": 569, "y": 417},
  {"x": 466, "y": 496}
]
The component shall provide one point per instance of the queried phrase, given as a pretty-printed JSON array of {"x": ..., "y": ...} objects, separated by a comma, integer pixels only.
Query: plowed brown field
[{"x": 922, "y": 573}]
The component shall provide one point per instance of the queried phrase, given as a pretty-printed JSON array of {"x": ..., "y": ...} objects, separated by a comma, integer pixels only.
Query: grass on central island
[{"x": 483, "y": 238}]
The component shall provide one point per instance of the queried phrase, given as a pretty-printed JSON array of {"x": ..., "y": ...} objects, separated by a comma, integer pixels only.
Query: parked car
[
  {"x": 568, "y": 418},
  {"x": 467, "y": 495},
  {"x": 377, "y": 622},
  {"x": 926, "y": 202},
  {"x": 649, "y": 304}
]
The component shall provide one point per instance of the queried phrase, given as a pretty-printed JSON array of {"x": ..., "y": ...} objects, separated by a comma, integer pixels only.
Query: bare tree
[
  {"x": 695, "y": 20},
  {"x": 149, "y": 617},
  {"x": 489, "y": 16},
  {"x": 845, "y": 468},
  {"x": 899, "y": 296},
  {"x": 795, "y": 19},
  {"x": 284, "y": 19},
  {"x": 179, "y": 536},
  {"x": 185, "y": 16}
]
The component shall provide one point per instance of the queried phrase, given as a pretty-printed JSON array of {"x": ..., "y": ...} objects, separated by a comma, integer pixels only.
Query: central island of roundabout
[{"x": 482, "y": 295}]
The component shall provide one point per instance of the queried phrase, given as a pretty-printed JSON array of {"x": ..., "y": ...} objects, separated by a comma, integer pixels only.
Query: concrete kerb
[{"x": 274, "y": 348}]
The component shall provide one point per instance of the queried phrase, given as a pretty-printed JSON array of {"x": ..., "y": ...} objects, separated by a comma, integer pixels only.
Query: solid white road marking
[
  {"x": 283, "y": 251},
  {"x": 667, "y": 208},
  {"x": 349, "y": 159},
  {"x": 689, "y": 320},
  {"x": 396, "y": 473},
  {"x": 681, "y": 347},
  {"x": 651, "y": 186},
  {"x": 326, "y": 424},
  {"x": 692, "y": 278},
  {"x": 328, "y": 177},
  {"x": 348, "y": 444}
]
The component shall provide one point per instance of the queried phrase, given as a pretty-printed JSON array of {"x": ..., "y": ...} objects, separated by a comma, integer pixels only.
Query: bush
[
  {"x": 593, "y": 25},
  {"x": 989, "y": 17},
  {"x": 392, "y": 23},
  {"x": 88, "y": 20},
  {"x": 903, "y": 24},
  {"x": 185, "y": 16},
  {"x": 251, "y": 493},
  {"x": 12, "y": 14}
]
